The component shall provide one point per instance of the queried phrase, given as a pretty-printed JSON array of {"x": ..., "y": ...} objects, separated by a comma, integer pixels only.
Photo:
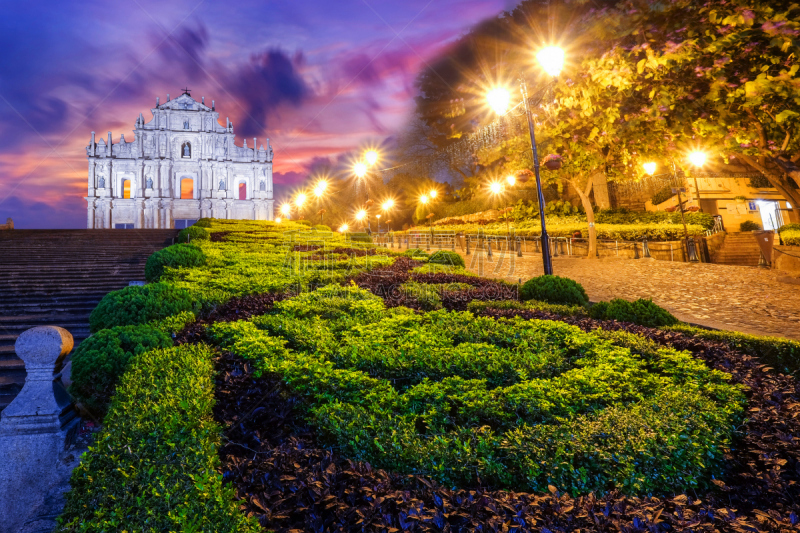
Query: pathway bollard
[
  {"x": 466, "y": 239},
  {"x": 519, "y": 247},
  {"x": 31, "y": 439}
]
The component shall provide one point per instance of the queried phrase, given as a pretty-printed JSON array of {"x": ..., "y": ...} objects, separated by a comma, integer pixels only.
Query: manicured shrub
[
  {"x": 554, "y": 290},
  {"x": 321, "y": 227},
  {"x": 175, "y": 256},
  {"x": 642, "y": 311},
  {"x": 445, "y": 257},
  {"x": 304, "y": 222},
  {"x": 782, "y": 354},
  {"x": 203, "y": 223},
  {"x": 101, "y": 359},
  {"x": 749, "y": 225},
  {"x": 790, "y": 234},
  {"x": 153, "y": 467},
  {"x": 416, "y": 253},
  {"x": 478, "y": 307},
  {"x": 140, "y": 305},
  {"x": 193, "y": 233}
]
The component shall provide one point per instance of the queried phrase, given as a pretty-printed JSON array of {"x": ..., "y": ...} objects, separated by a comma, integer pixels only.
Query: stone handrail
[{"x": 31, "y": 439}]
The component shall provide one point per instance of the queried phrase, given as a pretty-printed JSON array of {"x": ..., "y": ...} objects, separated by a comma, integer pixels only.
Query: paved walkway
[{"x": 746, "y": 299}]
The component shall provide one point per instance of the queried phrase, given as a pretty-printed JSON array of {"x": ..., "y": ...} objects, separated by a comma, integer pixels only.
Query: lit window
[
  {"x": 126, "y": 188},
  {"x": 242, "y": 191},
  {"x": 187, "y": 189}
]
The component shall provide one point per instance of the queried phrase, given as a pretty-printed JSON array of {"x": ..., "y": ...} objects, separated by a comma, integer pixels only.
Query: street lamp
[
  {"x": 371, "y": 157},
  {"x": 424, "y": 201},
  {"x": 551, "y": 60},
  {"x": 343, "y": 228},
  {"x": 386, "y": 207},
  {"x": 299, "y": 200},
  {"x": 278, "y": 220},
  {"x": 286, "y": 210},
  {"x": 361, "y": 215},
  {"x": 379, "y": 223}
]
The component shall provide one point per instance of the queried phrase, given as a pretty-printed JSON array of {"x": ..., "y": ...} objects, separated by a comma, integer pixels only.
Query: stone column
[
  {"x": 31, "y": 440},
  {"x": 92, "y": 178},
  {"x": 139, "y": 206},
  {"x": 90, "y": 212}
]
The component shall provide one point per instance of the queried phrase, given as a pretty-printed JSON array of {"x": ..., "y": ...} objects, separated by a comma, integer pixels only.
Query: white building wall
[{"x": 183, "y": 138}]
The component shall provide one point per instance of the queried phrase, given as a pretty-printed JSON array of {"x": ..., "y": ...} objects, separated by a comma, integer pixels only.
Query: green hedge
[
  {"x": 554, "y": 290},
  {"x": 790, "y": 234},
  {"x": 153, "y": 467},
  {"x": 444, "y": 257},
  {"x": 626, "y": 216},
  {"x": 642, "y": 311},
  {"x": 518, "y": 403},
  {"x": 175, "y": 256},
  {"x": 140, "y": 305},
  {"x": 781, "y": 354},
  {"x": 321, "y": 227},
  {"x": 100, "y": 360},
  {"x": 477, "y": 307},
  {"x": 203, "y": 223},
  {"x": 193, "y": 233}
]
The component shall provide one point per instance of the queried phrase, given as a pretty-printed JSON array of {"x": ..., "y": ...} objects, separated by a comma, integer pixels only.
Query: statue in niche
[
  {"x": 149, "y": 182},
  {"x": 186, "y": 124},
  {"x": 222, "y": 185},
  {"x": 187, "y": 150},
  {"x": 102, "y": 183},
  {"x": 262, "y": 186}
]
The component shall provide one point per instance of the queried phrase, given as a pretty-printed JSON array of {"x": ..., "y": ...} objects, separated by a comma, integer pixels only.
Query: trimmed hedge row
[
  {"x": 154, "y": 465},
  {"x": 141, "y": 304},
  {"x": 555, "y": 290},
  {"x": 782, "y": 354},
  {"x": 175, "y": 256},
  {"x": 100, "y": 360}
]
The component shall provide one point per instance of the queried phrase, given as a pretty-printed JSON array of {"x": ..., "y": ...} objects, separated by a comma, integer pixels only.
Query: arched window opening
[
  {"x": 126, "y": 188},
  {"x": 242, "y": 191},
  {"x": 187, "y": 189}
]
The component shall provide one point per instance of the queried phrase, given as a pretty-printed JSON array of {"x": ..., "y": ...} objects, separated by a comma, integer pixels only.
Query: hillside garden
[{"x": 274, "y": 377}]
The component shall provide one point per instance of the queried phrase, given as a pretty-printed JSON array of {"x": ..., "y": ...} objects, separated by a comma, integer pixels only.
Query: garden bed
[{"x": 358, "y": 395}]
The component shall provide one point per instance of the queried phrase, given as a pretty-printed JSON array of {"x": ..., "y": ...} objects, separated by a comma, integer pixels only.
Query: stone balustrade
[{"x": 31, "y": 439}]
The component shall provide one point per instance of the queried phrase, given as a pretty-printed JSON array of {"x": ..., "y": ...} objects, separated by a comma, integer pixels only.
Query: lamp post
[
  {"x": 551, "y": 59},
  {"x": 286, "y": 210},
  {"x": 386, "y": 207},
  {"x": 299, "y": 201},
  {"x": 424, "y": 201}
]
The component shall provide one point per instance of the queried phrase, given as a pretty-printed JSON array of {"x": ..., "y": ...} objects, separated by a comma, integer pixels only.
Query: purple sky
[{"x": 318, "y": 77}]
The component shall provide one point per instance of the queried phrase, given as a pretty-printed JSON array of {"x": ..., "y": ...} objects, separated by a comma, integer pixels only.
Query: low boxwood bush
[
  {"x": 101, "y": 359},
  {"x": 153, "y": 467},
  {"x": 478, "y": 307},
  {"x": 445, "y": 257},
  {"x": 643, "y": 312},
  {"x": 749, "y": 225},
  {"x": 321, "y": 227},
  {"x": 193, "y": 233},
  {"x": 203, "y": 223},
  {"x": 140, "y": 305},
  {"x": 790, "y": 234},
  {"x": 521, "y": 404},
  {"x": 175, "y": 256},
  {"x": 416, "y": 253},
  {"x": 782, "y": 354},
  {"x": 554, "y": 290}
]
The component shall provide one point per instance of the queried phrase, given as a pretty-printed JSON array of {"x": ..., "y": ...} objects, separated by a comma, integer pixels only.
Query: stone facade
[{"x": 181, "y": 165}]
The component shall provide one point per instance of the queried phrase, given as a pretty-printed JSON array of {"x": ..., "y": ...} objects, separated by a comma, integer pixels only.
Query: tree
[{"x": 722, "y": 75}]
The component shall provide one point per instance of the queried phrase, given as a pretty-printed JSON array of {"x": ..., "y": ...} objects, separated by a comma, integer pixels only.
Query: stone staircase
[
  {"x": 738, "y": 249},
  {"x": 56, "y": 278}
]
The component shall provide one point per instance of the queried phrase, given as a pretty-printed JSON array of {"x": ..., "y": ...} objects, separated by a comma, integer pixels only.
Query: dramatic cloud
[{"x": 319, "y": 78}]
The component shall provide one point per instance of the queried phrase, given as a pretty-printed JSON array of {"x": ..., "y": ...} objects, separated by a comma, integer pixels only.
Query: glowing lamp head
[
  {"x": 378, "y": 217},
  {"x": 388, "y": 204},
  {"x": 343, "y": 228},
  {"x": 496, "y": 187},
  {"x": 552, "y": 60},
  {"x": 499, "y": 99},
  {"x": 318, "y": 191},
  {"x": 371, "y": 156},
  {"x": 278, "y": 220},
  {"x": 511, "y": 180},
  {"x": 361, "y": 214},
  {"x": 286, "y": 209},
  {"x": 433, "y": 193},
  {"x": 698, "y": 159},
  {"x": 650, "y": 168},
  {"x": 423, "y": 199},
  {"x": 300, "y": 199},
  {"x": 360, "y": 169}
]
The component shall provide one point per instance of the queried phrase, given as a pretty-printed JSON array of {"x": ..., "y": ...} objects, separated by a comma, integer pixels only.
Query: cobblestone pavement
[{"x": 746, "y": 299}]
